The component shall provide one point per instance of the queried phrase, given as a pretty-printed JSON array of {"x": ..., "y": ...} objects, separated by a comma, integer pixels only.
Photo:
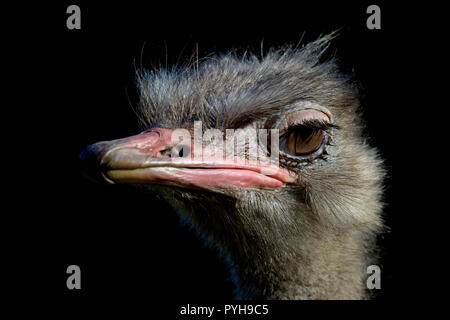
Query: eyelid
[{"x": 301, "y": 116}]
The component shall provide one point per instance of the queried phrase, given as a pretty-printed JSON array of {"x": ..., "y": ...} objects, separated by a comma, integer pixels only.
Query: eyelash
[{"x": 313, "y": 124}]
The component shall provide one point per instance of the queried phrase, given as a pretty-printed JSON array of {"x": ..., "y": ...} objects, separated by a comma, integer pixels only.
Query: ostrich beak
[{"x": 149, "y": 158}]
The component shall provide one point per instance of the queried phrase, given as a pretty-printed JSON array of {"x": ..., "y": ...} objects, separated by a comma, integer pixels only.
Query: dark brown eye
[{"x": 301, "y": 141}]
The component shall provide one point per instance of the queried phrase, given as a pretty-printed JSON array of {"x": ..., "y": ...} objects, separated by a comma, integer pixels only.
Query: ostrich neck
[
  {"x": 274, "y": 258},
  {"x": 329, "y": 266}
]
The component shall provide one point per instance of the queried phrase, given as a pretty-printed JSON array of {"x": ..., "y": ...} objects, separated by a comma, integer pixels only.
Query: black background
[{"x": 76, "y": 89}]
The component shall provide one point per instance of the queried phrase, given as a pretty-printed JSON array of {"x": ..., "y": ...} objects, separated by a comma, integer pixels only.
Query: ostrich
[{"x": 304, "y": 230}]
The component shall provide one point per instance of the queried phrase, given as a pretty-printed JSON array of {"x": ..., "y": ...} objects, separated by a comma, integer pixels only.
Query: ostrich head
[{"x": 297, "y": 223}]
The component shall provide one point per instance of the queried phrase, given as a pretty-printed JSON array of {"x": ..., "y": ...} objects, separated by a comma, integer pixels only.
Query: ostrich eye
[
  {"x": 301, "y": 140},
  {"x": 304, "y": 134}
]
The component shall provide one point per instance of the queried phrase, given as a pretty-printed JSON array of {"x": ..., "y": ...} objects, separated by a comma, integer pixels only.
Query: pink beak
[{"x": 147, "y": 158}]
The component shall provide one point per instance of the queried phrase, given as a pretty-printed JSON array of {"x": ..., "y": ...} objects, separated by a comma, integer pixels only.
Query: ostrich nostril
[
  {"x": 179, "y": 151},
  {"x": 184, "y": 151}
]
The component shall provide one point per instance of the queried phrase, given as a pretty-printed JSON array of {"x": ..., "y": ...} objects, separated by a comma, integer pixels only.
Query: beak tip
[
  {"x": 84, "y": 155},
  {"x": 89, "y": 164}
]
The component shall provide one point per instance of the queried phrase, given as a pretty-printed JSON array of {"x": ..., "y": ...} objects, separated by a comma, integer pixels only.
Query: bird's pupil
[{"x": 301, "y": 140}]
